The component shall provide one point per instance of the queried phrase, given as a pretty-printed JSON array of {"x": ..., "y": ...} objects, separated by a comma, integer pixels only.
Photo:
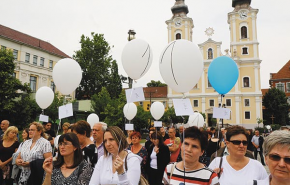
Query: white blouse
[{"x": 103, "y": 173}]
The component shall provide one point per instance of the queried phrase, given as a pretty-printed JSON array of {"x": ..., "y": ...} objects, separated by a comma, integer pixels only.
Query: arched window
[
  {"x": 178, "y": 36},
  {"x": 246, "y": 82},
  {"x": 209, "y": 54},
  {"x": 244, "y": 32}
]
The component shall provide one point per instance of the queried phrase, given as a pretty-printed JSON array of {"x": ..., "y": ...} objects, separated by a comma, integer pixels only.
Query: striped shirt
[{"x": 203, "y": 176}]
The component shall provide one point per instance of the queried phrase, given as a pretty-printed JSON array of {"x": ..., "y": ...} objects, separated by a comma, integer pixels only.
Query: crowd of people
[{"x": 103, "y": 154}]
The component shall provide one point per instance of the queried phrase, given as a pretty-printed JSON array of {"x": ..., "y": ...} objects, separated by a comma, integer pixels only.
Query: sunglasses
[
  {"x": 237, "y": 142},
  {"x": 275, "y": 157}
]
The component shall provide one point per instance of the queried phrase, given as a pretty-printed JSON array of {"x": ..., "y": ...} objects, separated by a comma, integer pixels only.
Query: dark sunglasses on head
[
  {"x": 237, "y": 142},
  {"x": 275, "y": 157}
]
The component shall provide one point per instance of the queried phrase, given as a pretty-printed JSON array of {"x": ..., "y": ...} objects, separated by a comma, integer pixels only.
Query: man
[
  {"x": 181, "y": 129},
  {"x": 98, "y": 135},
  {"x": 257, "y": 141},
  {"x": 212, "y": 130},
  {"x": 48, "y": 130},
  {"x": 163, "y": 133},
  {"x": 4, "y": 127},
  {"x": 149, "y": 142},
  {"x": 173, "y": 144}
]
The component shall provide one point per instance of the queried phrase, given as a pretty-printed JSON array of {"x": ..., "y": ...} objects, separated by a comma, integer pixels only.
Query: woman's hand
[
  {"x": 156, "y": 149},
  {"x": 2, "y": 164},
  {"x": 119, "y": 165},
  {"x": 19, "y": 162},
  {"x": 25, "y": 164},
  {"x": 47, "y": 165}
]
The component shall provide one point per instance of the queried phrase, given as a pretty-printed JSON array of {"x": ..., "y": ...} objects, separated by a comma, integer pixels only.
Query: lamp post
[
  {"x": 131, "y": 36},
  {"x": 150, "y": 96}
]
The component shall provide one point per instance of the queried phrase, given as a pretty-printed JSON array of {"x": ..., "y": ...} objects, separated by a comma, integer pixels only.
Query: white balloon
[
  {"x": 93, "y": 119},
  {"x": 137, "y": 58},
  {"x": 67, "y": 75},
  {"x": 44, "y": 97},
  {"x": 130, "y": 110},
  {"x": 268, "y": 127},
  {"x": 195, "y": 120},
  {"x": 181, "y": 65},
  {"x": 157, "y": 110}
]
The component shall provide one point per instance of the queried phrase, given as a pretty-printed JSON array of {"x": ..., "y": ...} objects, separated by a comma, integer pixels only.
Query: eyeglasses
[
  {"x": 237, "y": 142},
  {"x": 64, "y": 144},
  {"x": 275, "y": 157}
]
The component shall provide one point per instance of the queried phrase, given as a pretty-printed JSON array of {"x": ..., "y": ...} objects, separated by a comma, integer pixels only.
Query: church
[{"x": 245, "y": 98}]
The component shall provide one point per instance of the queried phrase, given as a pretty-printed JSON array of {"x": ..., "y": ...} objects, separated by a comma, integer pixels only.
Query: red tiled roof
[
  {"x": 156, "y": 92},
  {"x": 22, "y": 38},
  {"x": 283, "y": 73}
]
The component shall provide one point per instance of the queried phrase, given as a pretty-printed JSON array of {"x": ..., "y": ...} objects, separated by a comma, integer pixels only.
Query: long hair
[
  {"x": 118, "y": 136},
  {"x": 10, "y": 129},
  {"x": 78, "y": 156},
  {"x": 39, "y": 127},
  {"x": 27, "y": 131},
  {"x": 158, "y": 136}
]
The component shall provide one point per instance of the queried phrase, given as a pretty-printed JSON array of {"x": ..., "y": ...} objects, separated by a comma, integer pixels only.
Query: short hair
[
  {"x": 137, "y": 134},
  {"x": 212, "y": 128},
  {"x": 104, "y": 125},
  {"x": 10, "y": 129},
  {"x": 82, "y": 127},
  {"x": 152, "y": 129},
  {"x": 78, "y": 156},
  {"x": 158, "y": 135},
  {"x": 118, "y": 136},
  {"x": 235, "y": 130},
  {"x": 45, "y": 123},
  {"x": 39, "y": 127},
  {"x": 276, "y": 138},
  {"x": 66, "y": 124},
  {"x": 284, "y": 128},
  {"x": 194, "y": 133},
  {"x": 174, "y": 130},
  {"x": 5, "y": 121}
]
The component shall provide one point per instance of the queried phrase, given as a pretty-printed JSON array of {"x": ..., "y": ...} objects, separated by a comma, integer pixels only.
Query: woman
[
  {"x": 158, "y": 158},
  {"x": 33, "y": 151},
  {"x": 277, "y": 156},
  {"x": 70, "y": 167},
  {"x": 190, "y": 170},
  {"x": 111, "y": 167},
  {"x": 65, "y": 127},
  {"x": 139, "y": 150},
  {"x": 236, "y": 166},
  {"x": 129, "y": 132},
  {"x": 8, "y": 146}
]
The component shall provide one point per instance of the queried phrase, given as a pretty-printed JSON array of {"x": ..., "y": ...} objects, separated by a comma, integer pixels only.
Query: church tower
[{"x": 179, "y": 26}]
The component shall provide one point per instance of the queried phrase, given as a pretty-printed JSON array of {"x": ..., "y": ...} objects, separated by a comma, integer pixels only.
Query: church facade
[{"x": 245, "y": 98}]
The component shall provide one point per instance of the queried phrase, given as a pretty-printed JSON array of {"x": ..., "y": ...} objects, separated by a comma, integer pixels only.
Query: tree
[
  {"x": 96, "y": 62},
  {"x": 52, "y": 110},
  {"x": 115, "y": 85},
  {"x": 156, "y": 84},
  {"x": 99, "y": 103},
  {"x": 141, "y": 119},
  {"x": 170, "y": 117},
  {"x": 275, "y": 103}
]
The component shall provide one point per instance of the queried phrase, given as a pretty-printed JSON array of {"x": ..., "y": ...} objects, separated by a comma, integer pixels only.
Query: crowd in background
[{"x": 80, "y": 154}]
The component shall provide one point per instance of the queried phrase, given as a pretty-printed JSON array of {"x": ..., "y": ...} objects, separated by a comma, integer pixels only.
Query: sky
[{"x": 62, "y": 22}]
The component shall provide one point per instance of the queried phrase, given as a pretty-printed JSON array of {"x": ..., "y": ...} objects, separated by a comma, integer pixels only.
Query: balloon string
[
  {"x": 183, "y": 149},
  {"x": 42, "y": 112},
  {"x": 129, "y": 99}
]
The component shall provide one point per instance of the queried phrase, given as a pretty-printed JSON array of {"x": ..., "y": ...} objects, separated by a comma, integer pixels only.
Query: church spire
[
  {"x": 179, "y": 7},
  {"x": 240, "y": 2}
]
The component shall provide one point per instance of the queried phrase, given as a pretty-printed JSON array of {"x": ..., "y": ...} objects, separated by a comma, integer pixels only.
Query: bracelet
[{"x": 122, "y": 173}]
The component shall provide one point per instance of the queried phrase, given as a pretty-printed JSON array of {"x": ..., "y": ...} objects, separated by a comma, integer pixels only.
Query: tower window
[
  {"x": 244, "y": 32},
  {"x": 245, "y": 51},
  {"x": 209, "y": 53},
  {"x": 178, "y": 36},
  {"x": 246, "y": 82}
]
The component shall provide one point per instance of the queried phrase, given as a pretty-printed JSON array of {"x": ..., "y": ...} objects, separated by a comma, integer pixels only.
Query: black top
[
  {"x": 165, "y": 137},
  {"x": 90, "y": 154},
  {"x": 212, "y": 147},
  {"x": 163, "y": 158},
  {"x": 50, "y": 133},
  {"x": 6, "y": 152}
]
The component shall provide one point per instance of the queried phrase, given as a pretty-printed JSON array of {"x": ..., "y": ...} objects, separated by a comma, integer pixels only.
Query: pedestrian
[
  {"x": 257, "y": 142},
  {"x": 4, "y": 126},
  {"x": 98, "y": 135},
  {"x": 173, "y": 144}
]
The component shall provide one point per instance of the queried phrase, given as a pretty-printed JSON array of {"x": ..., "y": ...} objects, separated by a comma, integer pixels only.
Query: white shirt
[
  {"x": 252, "y": 171},
  {"x": 103, "y": 173},
  {"x": 153, "y": 162},
  {"x": 261, "y": 182}
]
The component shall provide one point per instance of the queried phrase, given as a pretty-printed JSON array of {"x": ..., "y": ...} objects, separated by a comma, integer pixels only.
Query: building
[
  {"x": 34, "y": 58},
  {"x": 153, "y": 94},
  {"x": 245, "y": 99}
]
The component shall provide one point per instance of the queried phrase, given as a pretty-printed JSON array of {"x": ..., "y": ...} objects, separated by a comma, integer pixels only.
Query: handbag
[{"x": 142, "y": 180}]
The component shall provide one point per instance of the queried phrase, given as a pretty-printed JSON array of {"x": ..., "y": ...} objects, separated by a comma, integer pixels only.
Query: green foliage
[
  {"x": 99, "y": 102},
  {"x": 170, "y": 117},
  {"x": 141, "y": 119},
  {"x": 275, "y": 126},
  {"x": 261, "y": 129},
  {"x": 156, "y": 84},
  {"x": 99, "y": 69},
  {"x": 275, "y": 102}
]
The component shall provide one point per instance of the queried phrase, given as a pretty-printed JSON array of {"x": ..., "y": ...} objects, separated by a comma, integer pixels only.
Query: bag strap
[
  {"x": 255, "y": 182},
  {"x": 219, "y": 173},
  {"x": 171, "y": 172},
  {"x": 80, "y": 168},
  {"x": 126, "y": 167}
]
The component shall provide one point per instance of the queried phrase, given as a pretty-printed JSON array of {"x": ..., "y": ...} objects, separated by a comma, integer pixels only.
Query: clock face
[
  {"x": 243, "y": 14},
  {"x": 177, "y": 22}
]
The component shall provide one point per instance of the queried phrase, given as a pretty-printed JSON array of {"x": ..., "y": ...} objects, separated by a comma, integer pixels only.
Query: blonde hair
[
  {"x": 39, "y": 127},
  {"x": 66, "y": 124},
  {"x": 10, "y": 129}
]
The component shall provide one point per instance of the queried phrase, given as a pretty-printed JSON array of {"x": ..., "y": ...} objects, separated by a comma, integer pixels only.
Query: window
[
  {"x": 50, "y": 64},
  {"x": 27, "y": 57},
  {"x": 208, "y": 84},
  {"x": 209, "y": 54},
  {"x": 35, "y": 60},
  {"x": 52, "y": 86},
  {"x": 245, "y": 50},
  {"x": 141, "y": 103},
  {"x": 280, "y": 86},
  {"x": 41, "y": 61},
  {"x": 228, "y": 102},
  {"x": 15, "y": 54},
  {"x": 247, "y": 115},
  {"x": 246, "y": 82},
  {"x": 244, "y": 33},
  {"x": 33, "y": 83},
  {"x": 211, "y": 103},
  {"x": 195, "y": 103},
  {"x": 288, "y": 86},
  {"x": 247, "y": 102},
  {"x": 3, "y": 47},
  {"x": 178, "y": 36}
]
